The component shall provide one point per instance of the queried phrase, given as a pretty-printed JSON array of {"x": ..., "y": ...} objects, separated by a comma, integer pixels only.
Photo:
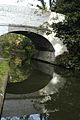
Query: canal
[{"x": 46, "y": 92}]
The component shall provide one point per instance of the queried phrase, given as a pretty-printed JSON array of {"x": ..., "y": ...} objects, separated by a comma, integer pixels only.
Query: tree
[
  {"x": 69, "y": 30},
  {"x": 51, "y": 3}
]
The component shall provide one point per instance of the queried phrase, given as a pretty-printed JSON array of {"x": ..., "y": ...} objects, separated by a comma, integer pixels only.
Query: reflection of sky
[{"x": 31, "y": 117}]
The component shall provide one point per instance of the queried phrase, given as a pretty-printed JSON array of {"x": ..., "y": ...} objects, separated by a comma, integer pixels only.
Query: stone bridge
[{"x": 32, "y": 19}]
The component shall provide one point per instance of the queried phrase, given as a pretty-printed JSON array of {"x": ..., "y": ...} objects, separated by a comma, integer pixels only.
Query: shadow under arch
[
  {"x": 36, "y": 81},
  {"x": 40, "y": 42},
  {"x": 40, "y": 76}
]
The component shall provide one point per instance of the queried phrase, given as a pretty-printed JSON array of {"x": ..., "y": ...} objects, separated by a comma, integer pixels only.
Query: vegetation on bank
[
  {"x": 69, "y": 32},
  {"x": 68, "y": 61},
  {"x": 4, "y": 69}
]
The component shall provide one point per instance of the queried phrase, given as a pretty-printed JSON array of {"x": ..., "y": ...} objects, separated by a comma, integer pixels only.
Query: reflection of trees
[
  {"x": 18, "y": 49},
  {"x": 66, "y": 103}
]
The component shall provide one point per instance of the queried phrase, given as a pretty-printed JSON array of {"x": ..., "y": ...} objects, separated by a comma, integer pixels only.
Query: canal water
[{"x": 47, "y": 92}]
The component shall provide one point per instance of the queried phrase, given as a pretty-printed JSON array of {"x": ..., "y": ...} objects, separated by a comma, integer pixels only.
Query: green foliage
[
  {"x": 4, "y": 69},
  {"x": 69, "y": 30},
  {"x": 8, "y": 43},
  {"x": 18, "y": 50},
  {"x": 67, "y": 6},
  {"x": 68, "y": 61}
]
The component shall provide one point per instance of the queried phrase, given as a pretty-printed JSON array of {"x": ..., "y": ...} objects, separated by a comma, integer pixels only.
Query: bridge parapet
[{"x": 25, "y": 13}]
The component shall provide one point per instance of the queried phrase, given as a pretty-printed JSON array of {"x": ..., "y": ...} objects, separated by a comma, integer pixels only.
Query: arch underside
[
  {"x": 40, "y": 42},
  {"x": 44, "y": 49}
]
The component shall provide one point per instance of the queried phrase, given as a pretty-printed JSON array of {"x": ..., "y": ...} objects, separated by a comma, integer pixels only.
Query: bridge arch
[
  {"x": 44, "y": 49},
  {"x": 40, "y": 42}
]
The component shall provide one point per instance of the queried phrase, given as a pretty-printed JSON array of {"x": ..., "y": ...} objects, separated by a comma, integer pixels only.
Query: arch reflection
[{"x": 39, "y": 76}]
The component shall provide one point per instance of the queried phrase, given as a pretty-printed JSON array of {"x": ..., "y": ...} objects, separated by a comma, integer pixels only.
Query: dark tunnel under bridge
[{"x": 44, "y": 49}]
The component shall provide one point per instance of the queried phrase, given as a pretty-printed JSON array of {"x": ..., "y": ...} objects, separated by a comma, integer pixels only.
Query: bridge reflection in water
[{"x": 29, "y": 96}]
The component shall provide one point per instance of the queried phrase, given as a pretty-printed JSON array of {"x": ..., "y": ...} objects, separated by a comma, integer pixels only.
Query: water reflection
[
  {"x": 41, "y": 75},
  {"x": 67, "y": 100},
  {"x": 29, "y": 117},
  {"x": 30, "y": 96},
  {"x": 34, "y": 82},
  {"x": 58, "y": 100}
]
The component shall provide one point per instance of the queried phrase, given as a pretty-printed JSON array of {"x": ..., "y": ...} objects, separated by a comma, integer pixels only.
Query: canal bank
[{"x": 4, "y": 69}]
